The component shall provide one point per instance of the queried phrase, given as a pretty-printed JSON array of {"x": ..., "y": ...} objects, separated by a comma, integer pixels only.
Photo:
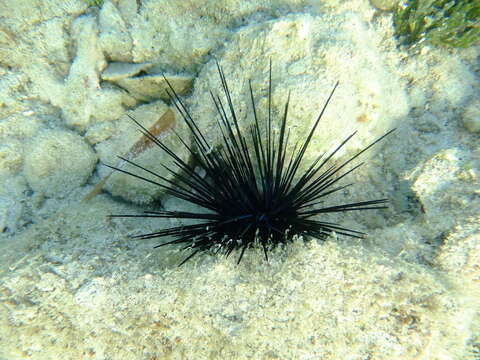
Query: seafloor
[{"x": 73, "y": 285}]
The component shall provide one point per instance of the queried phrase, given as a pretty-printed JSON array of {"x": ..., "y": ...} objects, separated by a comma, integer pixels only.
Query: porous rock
[
  {"x": 114, "y": 36},
  {"x": 57, "y": 162}
]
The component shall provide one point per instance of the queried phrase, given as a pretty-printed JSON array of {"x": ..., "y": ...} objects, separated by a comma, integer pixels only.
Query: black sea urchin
[{"x": 250, "y": 194}]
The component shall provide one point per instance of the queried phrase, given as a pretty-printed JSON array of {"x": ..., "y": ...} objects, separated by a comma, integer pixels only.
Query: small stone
[
  {"x": 152, "y": 87},
  {"x": 58, "y": 162},
  {"x": 120, "y": 70}
]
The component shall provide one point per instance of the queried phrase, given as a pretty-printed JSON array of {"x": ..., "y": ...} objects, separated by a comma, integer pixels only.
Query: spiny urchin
[{"x": 252, "y": 192}]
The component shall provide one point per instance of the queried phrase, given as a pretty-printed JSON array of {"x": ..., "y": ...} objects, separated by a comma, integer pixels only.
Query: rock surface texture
[{"x": 74, "y": 285}]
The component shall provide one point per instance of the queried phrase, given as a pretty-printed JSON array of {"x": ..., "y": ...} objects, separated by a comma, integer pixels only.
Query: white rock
[
  {"x": 80, "y": 96},
  {"x": 114, "y": 38},
  {"x": 57, "y": 162},
  {"x": 309, "y": 54}
]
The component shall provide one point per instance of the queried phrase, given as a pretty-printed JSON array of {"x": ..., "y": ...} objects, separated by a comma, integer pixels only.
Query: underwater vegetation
[
  {"x": 440, "y": 22},
  {"x": 94, "y": 2},
  {"x": 253, "y": 192}
]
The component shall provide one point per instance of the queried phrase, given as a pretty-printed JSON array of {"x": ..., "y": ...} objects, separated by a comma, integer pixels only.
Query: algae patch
[{"x": 440, "y": 22}]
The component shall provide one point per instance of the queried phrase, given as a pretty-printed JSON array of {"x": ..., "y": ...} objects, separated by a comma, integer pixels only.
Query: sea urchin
[{"x": 252, "y": 192}]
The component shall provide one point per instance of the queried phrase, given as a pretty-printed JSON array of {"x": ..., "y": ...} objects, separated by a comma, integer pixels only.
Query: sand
[{"x": 73, "y": 285}]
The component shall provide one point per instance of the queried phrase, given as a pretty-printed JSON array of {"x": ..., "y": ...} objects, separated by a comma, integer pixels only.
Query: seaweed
[
  {"x": 454, "y": 23},
  {"x": 94, "y": 2}
]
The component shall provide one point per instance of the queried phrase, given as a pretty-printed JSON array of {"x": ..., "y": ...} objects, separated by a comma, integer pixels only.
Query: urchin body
[{"x": 253, "y": 191}]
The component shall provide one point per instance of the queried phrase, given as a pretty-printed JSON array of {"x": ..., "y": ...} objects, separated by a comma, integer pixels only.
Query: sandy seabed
[{"x": 74, "y": 286}]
